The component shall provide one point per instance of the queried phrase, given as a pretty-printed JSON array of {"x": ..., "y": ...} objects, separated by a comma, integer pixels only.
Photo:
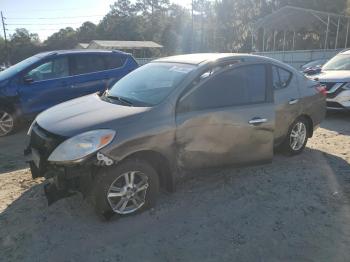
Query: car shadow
[
  {"x": 293, "y": 201},
  {"x": 337, "y": 121},
  {"x": 11, "y": 152}
]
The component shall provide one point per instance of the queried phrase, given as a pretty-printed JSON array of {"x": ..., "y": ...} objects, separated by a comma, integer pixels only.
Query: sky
[{"x": 48, "y": 16}]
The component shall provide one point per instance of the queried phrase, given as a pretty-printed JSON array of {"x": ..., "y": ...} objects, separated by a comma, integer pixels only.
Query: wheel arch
[
  {"x": 310, "y": 124},
  {"x": 160, "y": 163},
  {"x": 7, "y": 105}
]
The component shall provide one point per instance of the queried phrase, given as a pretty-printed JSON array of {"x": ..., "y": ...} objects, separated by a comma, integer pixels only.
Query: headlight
[
  {"x": 346, "y": 86},
  {"x": 31, "y": 128},
  {"x": 78, "y": 147}
]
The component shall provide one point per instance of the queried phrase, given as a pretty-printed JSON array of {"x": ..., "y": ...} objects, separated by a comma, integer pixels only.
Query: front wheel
[
  {"x": 297, "y": 137},
  {"x": 7, "y": 122},
  {"x": 128, "y": 188}
]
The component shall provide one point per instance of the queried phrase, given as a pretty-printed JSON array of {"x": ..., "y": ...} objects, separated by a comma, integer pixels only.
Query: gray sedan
[{"x": 182, "y": 112}]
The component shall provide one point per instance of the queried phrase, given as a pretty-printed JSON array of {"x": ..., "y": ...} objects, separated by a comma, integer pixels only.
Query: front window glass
[
  {"x": 243, "y": 85},
  {"x": 12, "y": 70},
  {"x": 339, "y": 62},
  {"x": 150, "y": 84},
  {"x": 51, "y": 69}
]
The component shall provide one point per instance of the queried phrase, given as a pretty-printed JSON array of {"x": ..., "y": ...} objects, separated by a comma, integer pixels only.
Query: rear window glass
[
  {"x": 113, "y": 61},
  {"x": 281, "y": 77},
  {"x": 87, "y": 63}
]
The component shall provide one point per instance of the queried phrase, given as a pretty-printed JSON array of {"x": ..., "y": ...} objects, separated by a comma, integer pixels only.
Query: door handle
[
  {"x": 257, "y": 121},
  {"x": 293, "y": 101}
]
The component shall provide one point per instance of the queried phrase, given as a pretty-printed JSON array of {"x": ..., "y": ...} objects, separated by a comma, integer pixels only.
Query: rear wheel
[
  {"x": 128, "y": 188},
  {"x": 297, "y": 137},
  {"x": 7, "y": 122}
]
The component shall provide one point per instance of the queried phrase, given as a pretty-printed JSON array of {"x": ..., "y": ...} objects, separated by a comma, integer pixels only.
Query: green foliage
[{"x": 218, "y": 26}]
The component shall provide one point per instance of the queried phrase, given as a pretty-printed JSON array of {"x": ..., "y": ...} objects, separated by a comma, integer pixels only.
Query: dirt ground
[{"x": 295, "y": 209}]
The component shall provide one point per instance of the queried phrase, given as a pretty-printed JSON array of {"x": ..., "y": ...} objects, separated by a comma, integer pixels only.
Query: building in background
[
  {"x": 82, "y": 45},
  {"x": 139, "y": 49}
]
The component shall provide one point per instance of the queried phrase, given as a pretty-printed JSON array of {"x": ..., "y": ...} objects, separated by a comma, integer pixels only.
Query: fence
[
  {"x": 143, "y": 61},
  {"x": 293, "y": 58},
  {"x": 299, "y": 58}
]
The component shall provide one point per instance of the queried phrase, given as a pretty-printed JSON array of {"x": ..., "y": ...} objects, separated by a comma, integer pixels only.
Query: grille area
[{"x": 44, "y": 141}]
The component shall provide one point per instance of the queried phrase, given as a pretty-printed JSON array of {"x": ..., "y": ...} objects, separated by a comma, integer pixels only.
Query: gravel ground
[{"x": 295, "y": 209}]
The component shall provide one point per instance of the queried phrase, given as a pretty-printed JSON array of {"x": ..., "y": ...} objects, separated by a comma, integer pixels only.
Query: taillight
[{"x": 322, "y": 89}]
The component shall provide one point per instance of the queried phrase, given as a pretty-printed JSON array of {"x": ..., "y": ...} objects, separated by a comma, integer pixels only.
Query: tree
[
  {"x": 64, "y": 39},
  {"x": 87, "y": 32},
  {"x": 23, "y": 44}
]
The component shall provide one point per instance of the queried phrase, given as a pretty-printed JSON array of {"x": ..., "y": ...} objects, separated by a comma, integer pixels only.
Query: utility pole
[
  {"x": 192, "y": 29},
  {"x": 6, "y": 47}
]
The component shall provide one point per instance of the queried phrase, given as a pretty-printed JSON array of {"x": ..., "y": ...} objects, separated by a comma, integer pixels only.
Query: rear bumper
[{"x": 340, "y": 102}]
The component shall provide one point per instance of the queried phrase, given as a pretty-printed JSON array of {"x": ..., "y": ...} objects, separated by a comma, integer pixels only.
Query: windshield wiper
[{"x": 120, "y": 99}]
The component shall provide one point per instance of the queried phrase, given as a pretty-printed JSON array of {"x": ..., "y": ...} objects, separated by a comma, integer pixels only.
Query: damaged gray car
[{"x": 121, "y": 147}]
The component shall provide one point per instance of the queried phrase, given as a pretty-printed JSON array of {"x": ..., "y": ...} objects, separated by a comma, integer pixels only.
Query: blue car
[{"x": 50, "y": 78}]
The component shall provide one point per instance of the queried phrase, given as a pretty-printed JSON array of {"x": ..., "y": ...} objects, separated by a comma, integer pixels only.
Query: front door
[
  {"x": 44, "y": 86},
  {"x": 228, "y": 118}
]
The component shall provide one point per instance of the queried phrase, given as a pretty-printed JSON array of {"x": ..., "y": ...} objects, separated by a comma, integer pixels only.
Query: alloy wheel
[
  {"x": 6, "y": 123},
  {"x": 298, "y": 136},
  {"x": 127, "y": 193}
]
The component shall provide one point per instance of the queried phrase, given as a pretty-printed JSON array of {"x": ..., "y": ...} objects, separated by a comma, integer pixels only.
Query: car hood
[
  {"x": 334, "y": 76},
  {"x": 87, "y": 113}
]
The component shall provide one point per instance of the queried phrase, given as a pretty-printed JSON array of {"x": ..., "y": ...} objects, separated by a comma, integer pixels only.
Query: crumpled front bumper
[{"x": 61, "y": 181}]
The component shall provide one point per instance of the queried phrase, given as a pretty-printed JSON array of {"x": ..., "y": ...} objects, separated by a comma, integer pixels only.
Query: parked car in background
[
  {"x": 189, "y": 111},
  {"x": 2, "y": 67},
  {"x": 335, "y": 75},
  {"x": 313, "y": 67},
  {"x": 47, "y": 79}
]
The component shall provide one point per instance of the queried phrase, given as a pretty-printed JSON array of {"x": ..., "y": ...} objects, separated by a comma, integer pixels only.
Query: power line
[
  {"x": 48, "y": 18},
  {"x": 47, "y": 24},
  {"x": 38, "y": 29},
  {"x": 53, "y": 10}
]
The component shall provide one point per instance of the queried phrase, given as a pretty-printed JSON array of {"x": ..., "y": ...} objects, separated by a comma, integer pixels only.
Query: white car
[{"x": 335, "y": 75}]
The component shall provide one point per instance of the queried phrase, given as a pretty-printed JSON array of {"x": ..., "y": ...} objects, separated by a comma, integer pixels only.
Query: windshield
[
  {"x": 12, "y": 70},
  {"x": 314, "y": 63},
  {"x": 339, "y": 62},
  {"x": 150, "y": 84}
]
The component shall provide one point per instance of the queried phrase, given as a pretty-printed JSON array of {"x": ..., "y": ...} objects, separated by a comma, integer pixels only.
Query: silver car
[
  {"x": 182, "y": 112},
  {"x": 335, "y": 75}
]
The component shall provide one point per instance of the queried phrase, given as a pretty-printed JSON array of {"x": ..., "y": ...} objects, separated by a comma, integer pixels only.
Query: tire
[
  {"x": 288, "y": 145},
  {"x": 115, "y": 176},
  {"x": 8, "y": 122}
]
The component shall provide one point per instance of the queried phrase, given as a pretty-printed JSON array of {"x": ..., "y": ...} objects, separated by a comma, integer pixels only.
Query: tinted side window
[
  {"x": 87, "y": 63},
  {"x": 113, "y": 61},
  {"x": 281, "y": 77},
  {"x": 243, "y": 85},
  {"x": 55, "y": 68}
]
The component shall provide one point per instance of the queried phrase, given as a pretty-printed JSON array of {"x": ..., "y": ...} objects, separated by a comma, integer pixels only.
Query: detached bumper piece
[{"x": 53, "y": 194}]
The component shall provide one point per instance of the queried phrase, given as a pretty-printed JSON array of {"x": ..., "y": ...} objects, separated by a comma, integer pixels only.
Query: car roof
[
  {"x": 79, "y": 51},
  {"x": 204, "y": 58},
  {"x": 345, "y": 52}
]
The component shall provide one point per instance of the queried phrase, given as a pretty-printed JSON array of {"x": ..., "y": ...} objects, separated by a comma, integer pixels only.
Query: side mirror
[{"x": 28, "y": 80}]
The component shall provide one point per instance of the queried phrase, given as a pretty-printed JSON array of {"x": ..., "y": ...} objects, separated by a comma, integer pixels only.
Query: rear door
[
  {"x": 95, "y": 72},
  {"x": 44, "y": 85},
  {"x": 228, "y": 118},
  {"x": 87, "y": 77},
  {"x": 287, "y": 100}
]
